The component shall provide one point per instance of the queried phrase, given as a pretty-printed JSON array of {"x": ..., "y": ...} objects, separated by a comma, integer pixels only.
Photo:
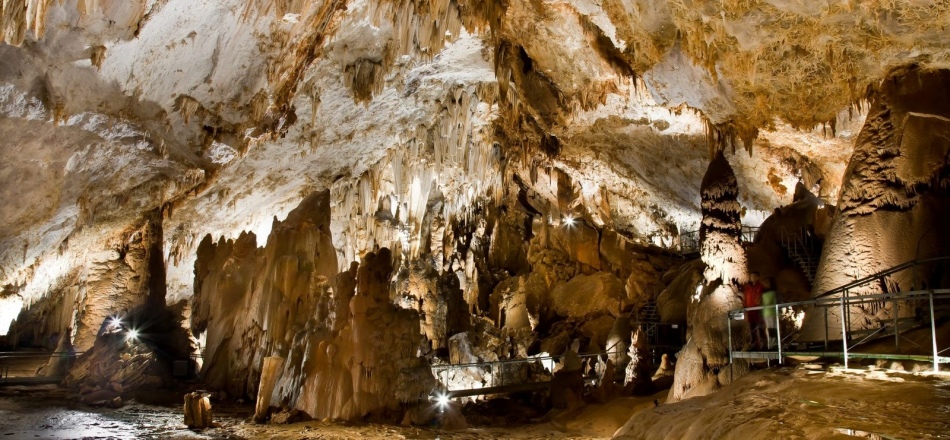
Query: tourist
[
  {"x": 769, "y": 315},
  {"x": 752, "y": 297}
]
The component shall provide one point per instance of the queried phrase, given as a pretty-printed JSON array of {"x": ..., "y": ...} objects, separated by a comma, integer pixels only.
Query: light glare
[{"x": 132, "y": 335}]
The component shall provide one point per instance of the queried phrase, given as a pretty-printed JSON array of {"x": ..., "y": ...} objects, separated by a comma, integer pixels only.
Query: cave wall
[
  {"x": 506, "y": 170},
  {"x": 112, "y": 281}
]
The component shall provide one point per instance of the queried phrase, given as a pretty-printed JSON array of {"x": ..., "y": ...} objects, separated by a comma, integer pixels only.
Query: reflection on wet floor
[
  {"x": 790, "y": 402},
  {"x": 47, "y": 413}
]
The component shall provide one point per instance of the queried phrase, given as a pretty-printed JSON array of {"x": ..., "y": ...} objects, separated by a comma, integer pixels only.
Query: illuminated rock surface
[{"x": 365, "y": 188}]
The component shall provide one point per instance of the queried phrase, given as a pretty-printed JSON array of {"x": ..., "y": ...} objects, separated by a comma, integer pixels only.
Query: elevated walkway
[
  {"x": 847, "y": 342},
  {"x": 689, "y": 243},
  {"x": 506, "y": 376},
  {"x": 21, "y": 368}
]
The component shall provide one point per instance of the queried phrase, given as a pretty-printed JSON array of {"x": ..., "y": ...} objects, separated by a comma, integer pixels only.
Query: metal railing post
[
  {"x": 933, "y": 329},
  {"x": 897, "y": 329},
  {"x": 847, "y": 310},
  {"x": 778, "y": 334},
  {"x": 825, "y": 313},
  {"x": 844, "y": 334}
]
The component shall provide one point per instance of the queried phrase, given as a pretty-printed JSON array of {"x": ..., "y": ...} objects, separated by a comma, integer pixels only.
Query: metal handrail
[
  {"x": 16, "y": 355},
  {"x": 746, "y": 235},
  {"x": 877, "y": 276},
  {"x": 851, "y": 300},
  {"x": 492, "y": 366},
  {"x": 6, "y": 357},
  {"x": 847, "y": 301},
  {"x": 441, "y": 367}
]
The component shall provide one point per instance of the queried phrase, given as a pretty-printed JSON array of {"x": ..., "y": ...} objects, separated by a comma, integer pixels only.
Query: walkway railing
[
  {"x": 881, "y": 277},
  {"x": 22, "y": 367},
  {"x": 843, "y": 299},
  {"x": 689, "y": 241},
  {"x": 501, "y": 376},
  {"x": 848, "y": 344}
]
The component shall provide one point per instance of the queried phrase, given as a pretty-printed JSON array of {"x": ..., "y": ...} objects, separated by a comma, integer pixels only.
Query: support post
[
  {"x": 847, "y": 310},
  {"x": 897, "y": 329},
  {"x": 844, "y": 334},
  {"x": 825, "y": 313},
  {"x": 778, "y": 334},
  {"x": 933, "y": 329}
]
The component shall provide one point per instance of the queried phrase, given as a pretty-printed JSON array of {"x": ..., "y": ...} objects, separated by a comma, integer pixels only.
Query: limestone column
[{"x": 703, "y": 362}]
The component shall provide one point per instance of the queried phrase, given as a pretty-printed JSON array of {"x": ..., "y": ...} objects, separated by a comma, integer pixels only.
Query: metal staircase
[
  {"x": 648, "y": 318},
  {"x": 803, "y": 249}
]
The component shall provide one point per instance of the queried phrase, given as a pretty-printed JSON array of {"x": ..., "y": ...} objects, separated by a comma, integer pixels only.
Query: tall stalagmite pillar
[
  {"x": 894, "y": 199},
  {"x": 702, "y": 363}
]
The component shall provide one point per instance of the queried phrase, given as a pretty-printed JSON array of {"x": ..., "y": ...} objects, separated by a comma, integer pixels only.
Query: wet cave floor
[
  {"x": 46, "y": 412},
  {"x": 791, "y": 402}
]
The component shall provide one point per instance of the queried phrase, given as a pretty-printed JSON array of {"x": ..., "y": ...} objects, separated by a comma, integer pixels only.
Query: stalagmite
[
  {"x": 700, "y": 366},
  {"x": 198, "y": 410},
  {"x": 320, "y": 206},
  {"x": 269, "y": 374},
  {"x": 638, "y": 375},
  {"x": 894, "y": 195}
]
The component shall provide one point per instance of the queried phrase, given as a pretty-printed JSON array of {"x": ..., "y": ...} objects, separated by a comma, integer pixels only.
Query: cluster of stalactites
[
  {"x": 423, "y": 27},
  {"x": 18, "y": 17},
  {"x": 729, "y": 136},
  {"x": 438, "y": 170}
]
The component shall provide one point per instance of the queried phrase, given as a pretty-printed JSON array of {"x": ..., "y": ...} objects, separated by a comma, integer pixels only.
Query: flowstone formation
[
  {"x": 894, "y": 197},
  {"x": 349, "y": 352},
  {"x": 700, "y": 367}
]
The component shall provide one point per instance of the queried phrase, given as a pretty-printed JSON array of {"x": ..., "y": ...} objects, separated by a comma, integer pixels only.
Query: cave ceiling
[{"x": 226, "y": 114}]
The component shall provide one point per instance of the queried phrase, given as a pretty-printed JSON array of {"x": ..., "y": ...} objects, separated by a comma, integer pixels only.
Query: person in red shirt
[{"x": 752, "y": 297}]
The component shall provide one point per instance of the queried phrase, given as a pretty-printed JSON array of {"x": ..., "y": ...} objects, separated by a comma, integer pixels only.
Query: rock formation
[
  {"x": 893, "y": 197},
  {"x": 350, "y": 352},
  {"x": 198, "y": 411},
  {"x": 700, "y": 364},
  {"x": 367, "y": 188},
  {"x": 639, "y": 372}
]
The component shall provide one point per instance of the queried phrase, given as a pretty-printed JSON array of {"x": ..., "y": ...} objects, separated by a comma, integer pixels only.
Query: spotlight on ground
[
  {"x": 443, "y": 400},
  {"x": 132, "y": 335}
]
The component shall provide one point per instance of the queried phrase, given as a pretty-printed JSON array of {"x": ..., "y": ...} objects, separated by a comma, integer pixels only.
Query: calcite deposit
[
  {"x": 311, "y": 203},
  {"x": 347, "y": 350},
  {"x": 893, "y": 199},
  {"x": 703, "y": 361}
]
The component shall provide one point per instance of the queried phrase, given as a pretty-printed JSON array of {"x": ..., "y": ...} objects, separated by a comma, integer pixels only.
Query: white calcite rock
[{"x": 893, "y": 198}]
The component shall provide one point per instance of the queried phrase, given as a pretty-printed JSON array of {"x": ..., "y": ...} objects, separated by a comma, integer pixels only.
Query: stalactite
[{"x": 451, "y": 154}]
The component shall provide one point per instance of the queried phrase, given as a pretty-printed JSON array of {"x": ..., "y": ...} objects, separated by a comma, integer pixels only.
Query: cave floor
[
  {"x": 795, "y": 402},
  {"x": 46, "y": 412}
]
